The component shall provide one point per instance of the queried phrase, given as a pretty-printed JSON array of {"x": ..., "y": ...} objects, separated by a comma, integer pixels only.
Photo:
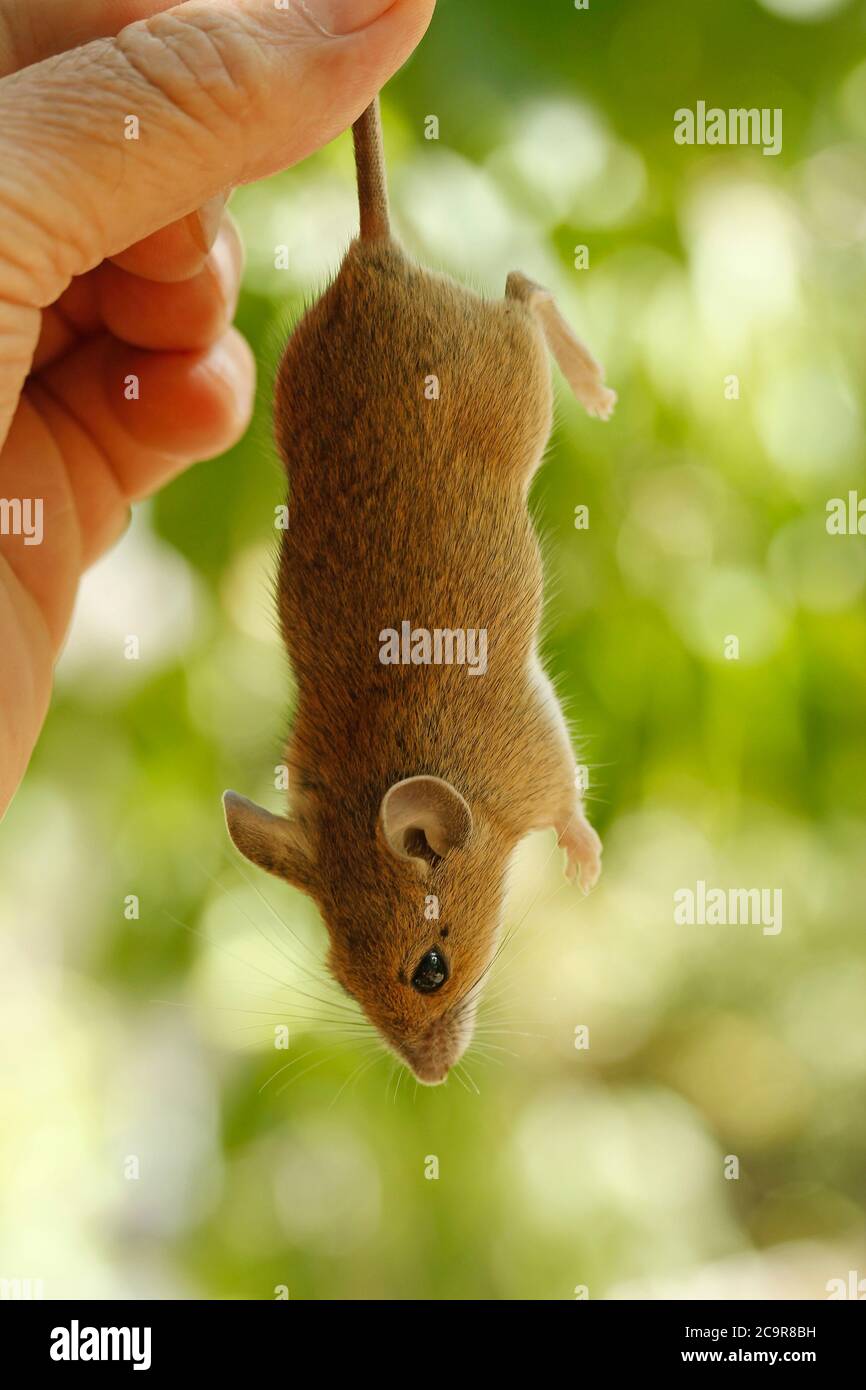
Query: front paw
[{"x": 583, "y": 851}]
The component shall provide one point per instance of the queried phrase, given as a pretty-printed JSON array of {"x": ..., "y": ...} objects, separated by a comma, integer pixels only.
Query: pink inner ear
[
  {"x": 412, "y": 827},
  {"x": 420, "y": 845},
  {"x": 429, "y": 806}
]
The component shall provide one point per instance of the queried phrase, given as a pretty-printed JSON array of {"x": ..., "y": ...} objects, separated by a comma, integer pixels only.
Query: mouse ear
[
  {"x": 584, "y": 375},
  {"x": 274, "y": 843},
  {"x": 422, "y": 818}
]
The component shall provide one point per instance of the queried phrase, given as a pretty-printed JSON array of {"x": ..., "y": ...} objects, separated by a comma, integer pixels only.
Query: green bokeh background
[{"x": 604, "y": 1168}]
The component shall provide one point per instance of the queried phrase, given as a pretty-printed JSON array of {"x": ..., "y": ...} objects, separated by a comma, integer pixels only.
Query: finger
[
  {"x": 30, "y": 32},
  {"x": 74, "y": 316},
  {"x": 43, "y": 550},
  {"x": 191, "y": 406},
  {"x": 205, "y": 82},
  {"x": 222, "y": 93},
  {"x": 148, "y": 414},
  {"x": 173, "y": 317},
  {"x": 25, "y": 679},
  {"x": 82, "y": 481},
  {"x": 178, "y": 251}
]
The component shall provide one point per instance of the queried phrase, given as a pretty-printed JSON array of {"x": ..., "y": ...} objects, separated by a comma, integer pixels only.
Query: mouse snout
[
  {"x": 429, "y": 1073},
  {"x": 431, "y": 1054}
]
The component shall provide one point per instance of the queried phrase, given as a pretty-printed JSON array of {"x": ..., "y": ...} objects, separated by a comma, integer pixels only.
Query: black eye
[{"x": 431, "y": 973}]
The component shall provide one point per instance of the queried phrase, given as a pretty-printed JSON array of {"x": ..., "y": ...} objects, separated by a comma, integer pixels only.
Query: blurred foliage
[{"x": 558, "y": 1167}]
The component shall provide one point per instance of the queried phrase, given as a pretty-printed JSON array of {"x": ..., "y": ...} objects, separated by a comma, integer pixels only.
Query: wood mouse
[{"x": 411, "y": 415}]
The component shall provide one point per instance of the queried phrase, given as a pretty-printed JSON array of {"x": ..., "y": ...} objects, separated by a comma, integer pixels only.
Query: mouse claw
[
  {"x": 600, "y": 402},
  {"x": 583, "y": 850}
]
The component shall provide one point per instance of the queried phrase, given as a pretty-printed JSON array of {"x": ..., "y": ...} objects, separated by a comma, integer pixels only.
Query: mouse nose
[
  {"x": 429, "y": 1066},
  {"x": 430, "y": 1074},
  {"x": 432, "y": 1053}
]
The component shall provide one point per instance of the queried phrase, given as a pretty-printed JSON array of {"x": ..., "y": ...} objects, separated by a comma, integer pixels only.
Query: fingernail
[
  {"x": 336, "y": 18},
  {"x": 205, "y": 224}
]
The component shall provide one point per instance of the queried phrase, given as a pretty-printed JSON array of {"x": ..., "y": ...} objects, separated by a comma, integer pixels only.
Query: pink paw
[{"x": 583, "y": 850}]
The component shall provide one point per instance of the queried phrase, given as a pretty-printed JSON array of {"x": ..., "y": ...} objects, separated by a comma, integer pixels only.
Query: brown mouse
[{"x": 411, "y": 415}]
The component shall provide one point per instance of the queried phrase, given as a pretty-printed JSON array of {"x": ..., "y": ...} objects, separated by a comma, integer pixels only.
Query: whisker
[
  {"x": 511, "y": 1033},
  {"x": 400, "y": 1076},
  {"x": 292, "y": 1079},
  {"x": 455, "y": 1072},
  {"x": 548, "y": 901},
  {"x": 269, "y": 905},
  {"x": 462, "y": 1068},
  {"x": 372, "y": 1063},
  {"x": 297, "y": 965},
  {"x": 333, "y": 1030},
  {"x": 373, "y": 1042},
  {"x": 269, "y": 941},
  {"x": 290, "y": 1017},
  {"x": 287, "y": 1065},
  {"x": 497, "y": 1048},
  {"x": 391, "y": 1076},
  {"x": 249, "y": 965},
  {"x": 482, "y": 1057}
]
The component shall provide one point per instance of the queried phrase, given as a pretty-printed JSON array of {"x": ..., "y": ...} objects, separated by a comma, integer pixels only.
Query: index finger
[
  {"x": 30, "y": 32},
  {"x": 223, "y": 92}
]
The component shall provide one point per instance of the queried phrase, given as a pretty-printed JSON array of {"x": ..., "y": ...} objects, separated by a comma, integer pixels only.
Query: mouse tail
[{"x": 372, "y": 182}]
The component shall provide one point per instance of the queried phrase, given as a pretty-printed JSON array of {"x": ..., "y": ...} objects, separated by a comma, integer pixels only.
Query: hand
[{"x": 118, "y": 262}]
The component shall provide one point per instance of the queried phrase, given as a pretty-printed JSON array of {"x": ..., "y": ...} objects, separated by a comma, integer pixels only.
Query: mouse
[{"x": 411, "y": 415}]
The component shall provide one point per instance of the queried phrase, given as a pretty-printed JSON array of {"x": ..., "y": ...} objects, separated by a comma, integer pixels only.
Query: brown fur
[{"x": 406, "y": 508}]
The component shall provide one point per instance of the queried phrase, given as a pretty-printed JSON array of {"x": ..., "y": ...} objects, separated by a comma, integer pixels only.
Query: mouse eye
[{"x": 431, "y": 973}]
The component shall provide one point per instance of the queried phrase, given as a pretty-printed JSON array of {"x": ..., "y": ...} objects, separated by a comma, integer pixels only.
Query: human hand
[{"x": 118, "y": 264}]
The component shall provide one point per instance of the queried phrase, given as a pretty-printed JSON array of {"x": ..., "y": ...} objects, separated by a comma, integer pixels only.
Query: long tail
[{"x": 372, "y": 182}]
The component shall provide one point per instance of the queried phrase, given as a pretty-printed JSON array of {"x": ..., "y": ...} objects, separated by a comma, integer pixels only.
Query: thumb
[{"x": 223, "y": 92}]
